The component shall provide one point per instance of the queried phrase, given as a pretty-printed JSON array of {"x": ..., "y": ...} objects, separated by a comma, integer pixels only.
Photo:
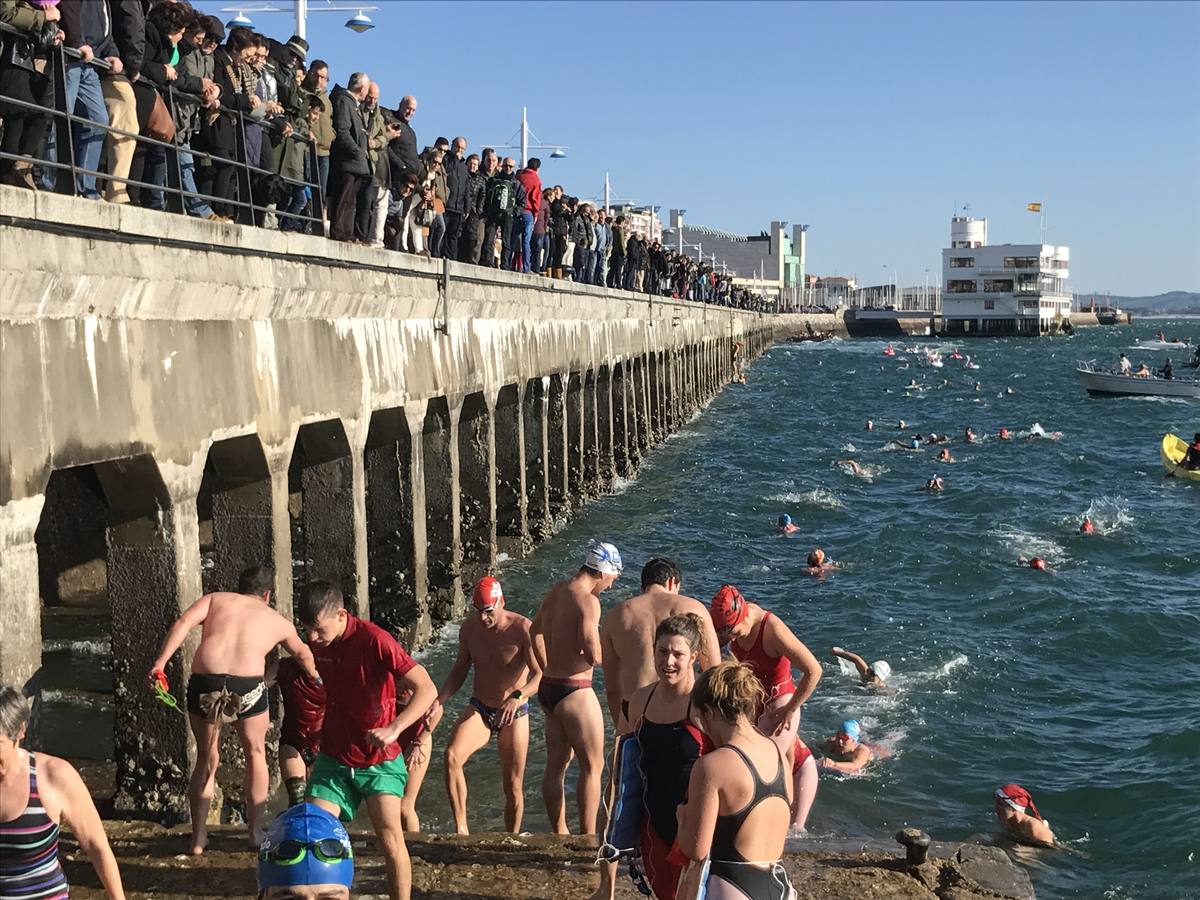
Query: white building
[{"x": 1002, "y": 288}]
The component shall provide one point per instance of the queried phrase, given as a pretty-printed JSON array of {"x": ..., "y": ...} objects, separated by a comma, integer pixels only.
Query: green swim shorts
[{"x": 347, "y": 787}]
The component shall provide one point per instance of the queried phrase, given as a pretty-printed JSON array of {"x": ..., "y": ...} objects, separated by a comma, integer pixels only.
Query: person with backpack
[{"x": 504, "y": 197}]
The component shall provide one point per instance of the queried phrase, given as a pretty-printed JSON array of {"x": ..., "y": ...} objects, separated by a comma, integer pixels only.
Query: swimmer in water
[
  {"x": 912, "y": 385},
  {"x": 784, "y": 525},
  {"x": 969, "y": 435},
  {"x": 1009, "y": 391},
  {"x": 1004, "y": 434},
  {"x": 1019, "y": 817},
  {"x": 817, "y": 564},
  {"x": 978, "y": 386},
  {"x": 875, "y": 675},
  {"x": 911, "y": 444},
  {"x": 854, "y": 467},
  {"x": 935, "y": 484},
  {"x": 944, "y": 455},
  {"x": 1087, "y": 527},
  {"x": 870, "y": 425},
  {"x": 1035, "y": 563},
  {"x": 902, "y": 425},
  {"x": 844, "y": 752}
]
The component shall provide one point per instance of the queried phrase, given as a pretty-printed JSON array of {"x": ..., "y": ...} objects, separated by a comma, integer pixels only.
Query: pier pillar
[
  {"x": 235, "y": 501},
  {"x": 20, "y": 605},
  {"x": 654, "y": 399},
  {"x": 327, "y": 493},
  {"x": 512, "y": 525},
  {"x": 536, "y": 432},
  {"x": 606, "y": 463},
  {"x": 439, "y": 453},
  {"x": 575, "y": 432},
  {"x": 391, "y": 560},
  {"x": 153, "y": 576},
  {"x": 622, "y": 458},
  {"x": 640, "y": 443},
  {"x": 279, "y": 457},
  {"x": 590, "y": 485},
  {"x": 476, "y": 489},
  {"x": 557, "y": 436}
]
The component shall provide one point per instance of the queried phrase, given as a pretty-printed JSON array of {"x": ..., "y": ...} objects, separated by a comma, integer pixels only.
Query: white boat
[{"x": 1100, "y": 381}]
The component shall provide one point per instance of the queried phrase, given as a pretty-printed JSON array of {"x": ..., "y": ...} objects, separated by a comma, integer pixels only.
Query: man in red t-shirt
[{"x": 362, "y": 667}]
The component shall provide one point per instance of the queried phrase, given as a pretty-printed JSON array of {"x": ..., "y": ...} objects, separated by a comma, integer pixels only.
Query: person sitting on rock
[{"x": 1019, "y": 817}]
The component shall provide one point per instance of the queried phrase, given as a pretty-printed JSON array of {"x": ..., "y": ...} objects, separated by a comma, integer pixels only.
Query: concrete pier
[{"x": 181, "y": 399}]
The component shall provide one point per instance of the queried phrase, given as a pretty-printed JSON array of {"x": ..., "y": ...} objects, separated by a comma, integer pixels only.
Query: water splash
[
  {"x": 1108, "y": 515},
  {"x": 820, "y": 497},
  {"x": 1018, "y": 543},
  {"x": 97, "y": 647}
]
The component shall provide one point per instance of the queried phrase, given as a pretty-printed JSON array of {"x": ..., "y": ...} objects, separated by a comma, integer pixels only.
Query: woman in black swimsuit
[
  {"x": 671, "y": 742},
  {"x": 739, "y": 795}
]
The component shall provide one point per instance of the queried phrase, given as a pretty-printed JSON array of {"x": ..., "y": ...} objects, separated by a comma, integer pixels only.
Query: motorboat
[
  {"x": 1172, "y": 450},
  {"x": 1101, "y": 381}
]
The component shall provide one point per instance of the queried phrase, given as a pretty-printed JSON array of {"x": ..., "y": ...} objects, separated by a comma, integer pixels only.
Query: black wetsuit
[
  {"x": 1191, "y": 461},
  {"x": 727, "y": 863}
]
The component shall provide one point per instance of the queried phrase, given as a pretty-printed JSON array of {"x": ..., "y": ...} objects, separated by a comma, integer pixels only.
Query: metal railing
[{"x": 66, "y": 168}]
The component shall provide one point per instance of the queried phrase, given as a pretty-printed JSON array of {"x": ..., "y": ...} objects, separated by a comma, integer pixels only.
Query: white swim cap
[
  {"x": 604, "y": 558},
  {"x": 882, "y": 670}
]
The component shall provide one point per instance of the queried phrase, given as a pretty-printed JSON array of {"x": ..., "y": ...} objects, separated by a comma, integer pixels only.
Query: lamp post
[
  {"x": 522, "y": 136},
  {"x": 359, "y": 22},
  {"x": 895, "y": 283}
]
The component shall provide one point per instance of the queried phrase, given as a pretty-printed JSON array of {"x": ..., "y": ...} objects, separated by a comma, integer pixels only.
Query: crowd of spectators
[{"x": 225, "y": 99}]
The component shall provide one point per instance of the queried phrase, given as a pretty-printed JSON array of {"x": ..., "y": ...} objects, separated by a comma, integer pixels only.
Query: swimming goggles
[{"x": 291, "y": 852}]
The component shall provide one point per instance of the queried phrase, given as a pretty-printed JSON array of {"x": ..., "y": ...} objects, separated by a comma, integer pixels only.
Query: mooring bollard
[{"x": 916, "y": 845}]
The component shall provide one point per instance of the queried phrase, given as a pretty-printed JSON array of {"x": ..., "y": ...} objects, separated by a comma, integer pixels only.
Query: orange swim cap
[
  {"x": 1087, "y": 527},
  {"x": 487, "y": 594},
  {"x": 816, "y": 557},
  {"x": 1038, "y": 563}
]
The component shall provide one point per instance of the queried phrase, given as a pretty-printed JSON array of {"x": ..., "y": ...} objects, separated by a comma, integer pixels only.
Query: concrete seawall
[{"x": 182, "y": 399}]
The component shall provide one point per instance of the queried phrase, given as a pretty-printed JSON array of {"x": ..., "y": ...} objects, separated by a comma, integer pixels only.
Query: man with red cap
[
  {"x": 1019, "y": 817},
  {"x": 497, "y": 643},
  {"x": 771, "y": 649}
]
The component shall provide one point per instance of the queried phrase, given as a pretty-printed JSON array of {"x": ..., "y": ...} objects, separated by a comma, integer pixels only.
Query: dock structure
[{"x": 180, "y": 399}]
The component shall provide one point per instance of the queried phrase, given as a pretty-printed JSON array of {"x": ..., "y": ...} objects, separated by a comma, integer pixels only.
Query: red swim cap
[
  {"x": 1087, "y": 527},
  {"x": 1037, "y": 563},
  {"x": 487, "y": 593},
  {"x": 1016, "y": 797},
  {"x": 728, "y": 607}
]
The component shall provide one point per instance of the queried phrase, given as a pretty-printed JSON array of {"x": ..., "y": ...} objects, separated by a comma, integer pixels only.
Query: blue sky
[{"x": 870, "y": 122}]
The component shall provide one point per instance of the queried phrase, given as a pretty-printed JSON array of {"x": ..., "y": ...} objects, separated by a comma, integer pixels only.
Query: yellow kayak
[{"x": 1173, "y": 450}]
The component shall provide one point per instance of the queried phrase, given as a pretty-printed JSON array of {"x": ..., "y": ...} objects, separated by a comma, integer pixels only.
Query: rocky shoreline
[{"x": 154, "y": 864}]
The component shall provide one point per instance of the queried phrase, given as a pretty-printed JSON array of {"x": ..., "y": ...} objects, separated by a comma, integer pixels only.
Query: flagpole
[{"x": 1042, "y": 212}]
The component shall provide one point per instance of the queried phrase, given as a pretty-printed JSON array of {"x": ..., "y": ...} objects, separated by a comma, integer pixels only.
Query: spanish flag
[{"x": 1033, "y": 207}]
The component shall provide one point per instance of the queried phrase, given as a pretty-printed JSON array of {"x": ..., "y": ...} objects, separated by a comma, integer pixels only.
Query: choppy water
[{"x": 1083, "y": 684}]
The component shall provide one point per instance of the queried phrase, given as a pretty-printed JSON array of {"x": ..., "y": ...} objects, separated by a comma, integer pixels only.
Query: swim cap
[
  {"x": 816, "y": 557},
  {"x": 1038, "y": 563},
  {"x": 882, "y": 670},
  {"x": 785, "y": 520},
  {"x": 305, "y": 845},
  {"x": 916, "y": 444},
  {"x": 604, "y": 558},
  {"x": 728, "y": 607},
  {"x": 487, "y": 594},
  {"x": 1003, "y": 432},
  {"x": 850, "y": 729},
  {"x": 1087, "y": 527},
  {"x": 1016, "y": 797}
]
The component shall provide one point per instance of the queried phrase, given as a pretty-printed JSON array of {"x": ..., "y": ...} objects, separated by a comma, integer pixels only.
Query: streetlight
[
  {"x": 524, "y": 146},
  {"x": 359, "y": 22}
]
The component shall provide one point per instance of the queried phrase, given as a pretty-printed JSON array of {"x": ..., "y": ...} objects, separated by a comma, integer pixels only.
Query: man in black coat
[
  {"x": 457, "y": 178},
  {"x": 471, "y": 239},
  {"x": 402, "y": 149},
  {"x": 349, "y": 168}
]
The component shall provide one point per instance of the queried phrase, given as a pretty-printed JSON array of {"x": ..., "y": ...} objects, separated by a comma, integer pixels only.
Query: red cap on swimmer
[
  {"x": 1016, "y": 797},
  {"x": 488, "y": 594},
  {"x": 1037, "y": 563},
  {"x": 728, "y": 607},
  {"x": 1087, "y": 527}
]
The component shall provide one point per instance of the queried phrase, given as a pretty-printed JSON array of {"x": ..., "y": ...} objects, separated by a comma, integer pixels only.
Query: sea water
[{"x": 1082, "y": 684}]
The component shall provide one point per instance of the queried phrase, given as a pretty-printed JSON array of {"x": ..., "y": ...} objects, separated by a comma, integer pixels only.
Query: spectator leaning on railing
[{"x": 21, "y": 79}]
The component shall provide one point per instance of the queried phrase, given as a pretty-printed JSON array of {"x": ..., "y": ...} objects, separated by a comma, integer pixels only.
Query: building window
[
  {"x": 1020, "y": 262},
  {"x": 1027, "y": 283},
  {"x": 962, "y": 262},
  {"x": 960, "y": 286},
  {"x": 989, "y": 304},
  {"x": 997, "y": 285}
]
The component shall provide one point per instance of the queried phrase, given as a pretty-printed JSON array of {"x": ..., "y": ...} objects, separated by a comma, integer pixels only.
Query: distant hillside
[{"x": 1171, "y": 302}]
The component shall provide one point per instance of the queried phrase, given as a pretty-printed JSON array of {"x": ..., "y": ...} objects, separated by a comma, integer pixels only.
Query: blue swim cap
[
  {"x": 785, "y": 520},
  {"x": 850, "y": 729},
  {"x": 305, "y": 845}
]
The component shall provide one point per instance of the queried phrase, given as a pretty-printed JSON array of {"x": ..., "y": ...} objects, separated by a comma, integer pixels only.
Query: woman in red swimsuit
[{"x": 764, "y": 643}]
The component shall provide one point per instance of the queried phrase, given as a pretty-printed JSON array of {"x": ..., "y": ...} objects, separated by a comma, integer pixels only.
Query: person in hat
[
  {"x": 496, "y": 643},
  {"x": 771, "y": 649},
  {"x": 566, "y": 635},
  {"x": 1019, "y": 818},
  {"x": 845, "y": 751},
  {"x": 784, "y": 525},
  {"x": 306, "y": 855}
]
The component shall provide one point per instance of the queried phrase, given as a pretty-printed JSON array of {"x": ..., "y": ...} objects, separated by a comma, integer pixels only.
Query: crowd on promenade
[{"x": 259, "y": 133}]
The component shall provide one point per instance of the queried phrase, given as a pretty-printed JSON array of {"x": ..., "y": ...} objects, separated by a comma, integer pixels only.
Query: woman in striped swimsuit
[{"x": 36, "y": 793}]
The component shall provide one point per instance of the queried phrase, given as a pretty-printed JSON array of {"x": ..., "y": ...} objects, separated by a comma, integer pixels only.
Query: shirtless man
[
  {"x": 226, "y": 686},
  {"x": 497, "y": 643},
  {"x": 566, "y": 637},
  {"x": 627, "y": 635}
]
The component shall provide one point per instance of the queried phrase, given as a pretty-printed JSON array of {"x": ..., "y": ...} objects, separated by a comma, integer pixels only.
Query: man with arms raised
[
  {"x": 497, "y": 644},
  {"x": 627, "y": 635},
  {"x": 566, "y": 638},
  {"x": 226, "y": 686},
  {"x": 360, "y": 759}
]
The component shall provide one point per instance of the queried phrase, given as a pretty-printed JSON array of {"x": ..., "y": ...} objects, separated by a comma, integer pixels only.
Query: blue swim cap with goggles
[
  {"x": 785, "y": 520},
  {"x": 305, "y": 845}
]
